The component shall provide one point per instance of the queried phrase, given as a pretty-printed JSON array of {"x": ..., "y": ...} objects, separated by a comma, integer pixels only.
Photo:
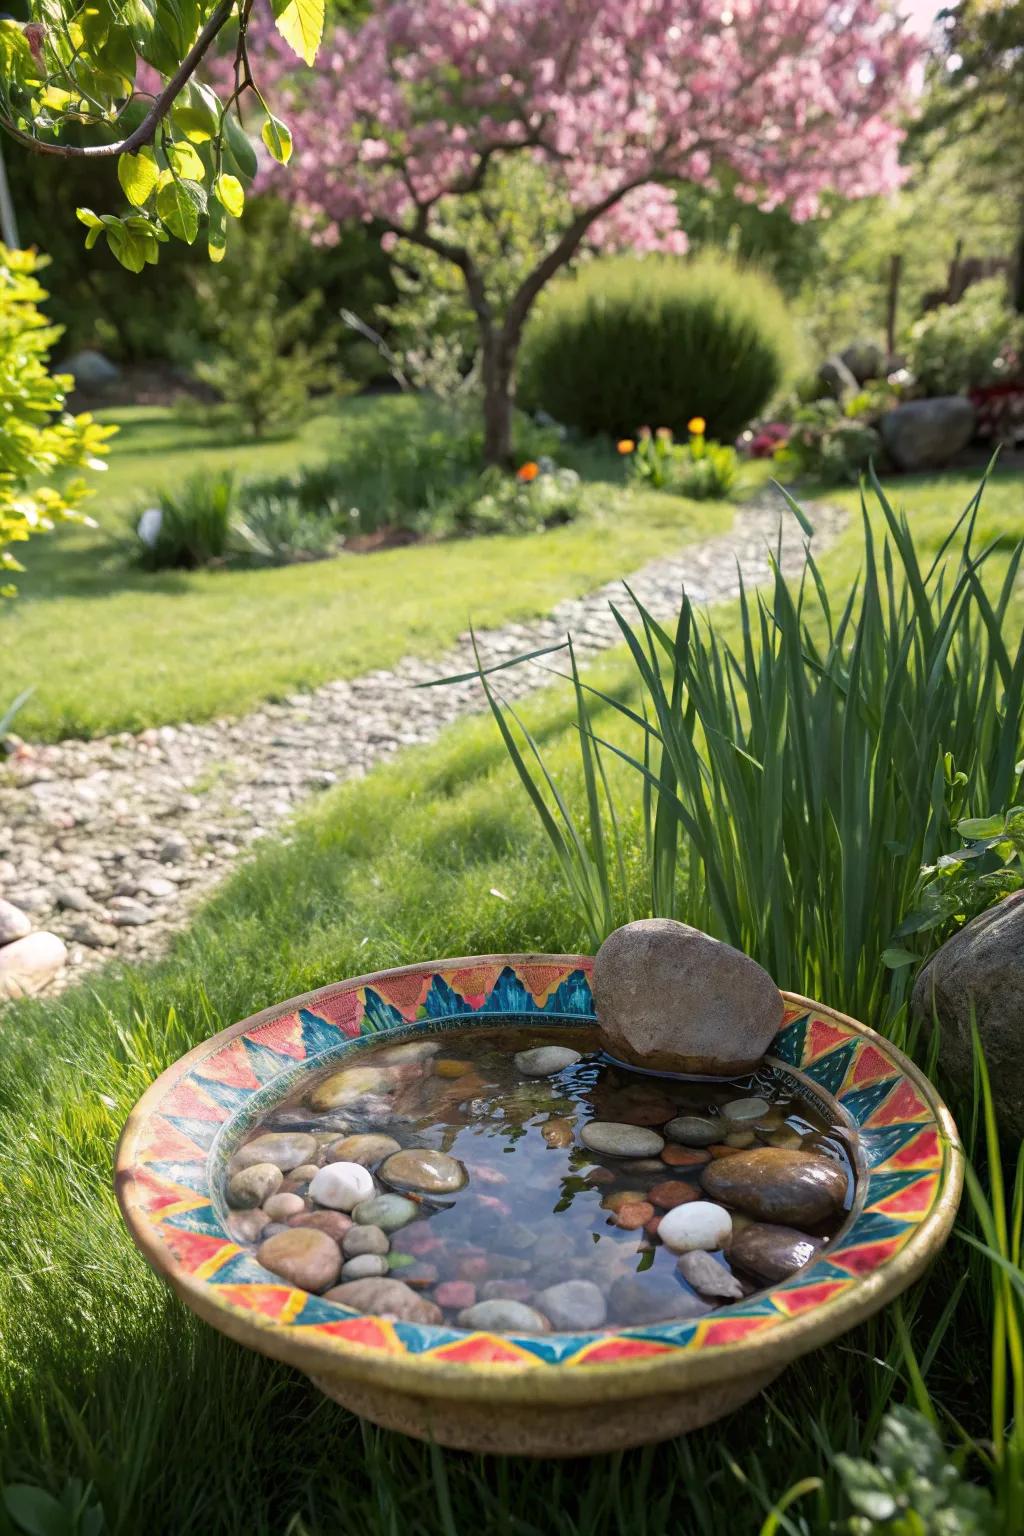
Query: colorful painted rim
[{"x": 178, "y": 1137}]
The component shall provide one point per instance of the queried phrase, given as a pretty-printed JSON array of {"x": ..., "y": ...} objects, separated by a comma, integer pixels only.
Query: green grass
[
  {"x": 104, "y": 1375},
  {"x": 110, "y": 647}
]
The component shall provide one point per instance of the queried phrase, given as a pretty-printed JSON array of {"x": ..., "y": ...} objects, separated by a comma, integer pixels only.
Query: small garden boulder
[
  {"x": 925, "y": 434},
  {"x": 673, "y": 999},
  {"x": 982, "y": 966}
]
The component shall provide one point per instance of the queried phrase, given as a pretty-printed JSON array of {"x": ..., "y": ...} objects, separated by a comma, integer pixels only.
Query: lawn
[
  {"x": 105, "y": 1376},
  {"x": 110, "y": 647}
]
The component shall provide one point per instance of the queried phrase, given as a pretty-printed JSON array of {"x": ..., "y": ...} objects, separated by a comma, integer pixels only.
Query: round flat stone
[
  {"x": 389, "y": 1212},
  {"x": 364, "y": 1266},
  {"x": 649, "y": 1298},
  {"x": 772, "y": 1252},
  {"x": 359, "y": 1240},
  {"x": 614, "y": 1139},
  {"x": 302, "y": 1255},
  {"x": 386, "y": 1298},
  {"x": 434, "y": 1173},
  {"x": 545, "y": 1060},
  {"x": 776, "y": 1185},
  {"x": 253, "y": 1185},
  {"x": 709, "y": 1276},
  {"x": 349, "y": 1086},
  {"x": 739, "y": 1111},
  {"x": 696, "y": 1225},
  {"x": 693, "y": 1130},
  {"x": 369, "y": 1149},
  {"x": 575, "y": 1304},
  {"x": 502, "y": 1316}
]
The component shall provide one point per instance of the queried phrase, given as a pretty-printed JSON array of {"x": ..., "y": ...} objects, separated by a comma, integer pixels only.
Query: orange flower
[
  {"x": 697, "y": 425},
  {"x": 527, "y": 472},
  {"x": 664, "y": 434},
  {"x": 625, "y": 445}
]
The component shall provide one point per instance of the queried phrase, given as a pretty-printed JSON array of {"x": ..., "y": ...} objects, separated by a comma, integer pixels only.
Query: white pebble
[
  {"x": 697, "y": 1225},
  {"x": 341, "y": 1186}
]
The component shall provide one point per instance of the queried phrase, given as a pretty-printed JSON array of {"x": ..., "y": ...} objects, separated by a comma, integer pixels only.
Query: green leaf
[
  {"x": 981, "y": 826},
  {"x": 88, "y": 218},
  {"x": 896, "y": 957},
  {"x": 231, "y": 194},
  {"x": 35, "y": 1511},
  {"x": 301, "y": 24},
  {"x": 179, "y": 204},
  {"x": 239, "y": 145},
  {"x": 278, "y": 139},
  {"x": 186, "y": 162},
  {"x": 217, "y": 236},
  {"x": 138, "y": 175}
]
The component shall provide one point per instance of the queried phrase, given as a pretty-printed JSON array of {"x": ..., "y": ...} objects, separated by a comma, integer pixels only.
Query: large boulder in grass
[
  {"x": 672, "y": 999},
  {"x": 835, "y": 379},
  {"x": 925, "y": 434},
  {"x": 865, "y": 360},
  {"x": 981, "y": 968},
  {"x": 90, "y": 370}
]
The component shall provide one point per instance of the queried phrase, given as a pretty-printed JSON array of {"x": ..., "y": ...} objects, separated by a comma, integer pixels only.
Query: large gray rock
[
  {"x": 865, "y": 360},
  {"x": 90, "y": 369},
  {"x": 983, "y": 966},
  {"x": 836, "y": 380},
  {"x": 925, "y": 434},
  {"x": 671, "y": 998}
]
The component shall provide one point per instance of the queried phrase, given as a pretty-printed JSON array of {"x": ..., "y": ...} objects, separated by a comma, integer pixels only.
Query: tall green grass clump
[
  {"x": 653, "y": 341},
  {"x": 793, "y": 776}
]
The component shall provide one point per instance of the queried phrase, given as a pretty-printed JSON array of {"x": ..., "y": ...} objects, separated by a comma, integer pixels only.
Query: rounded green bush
[{"x": 652, "y": 341}]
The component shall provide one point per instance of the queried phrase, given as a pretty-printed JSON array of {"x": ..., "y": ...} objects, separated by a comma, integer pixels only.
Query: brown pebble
[
  {"x": 281, "y": 1206},
  {"x": 772, "y": 1252},
  {"x": 558, "y": 1133},
  {"x": 796, "y": 1189},
  {"x": 303, "y": 1256},
  {"x": 620, "y": 1197},
  {"x": 721, "y": 1150},
  {"x": 651, "y": 1227},
  {"x": 334, "y": 1223},
  {"x": 599, "y": 1176},
  {"x": 632, "y": 1217},
  {"x": 452, "y": 1068},
  {"x": 684, "y": 1157},
  {"x": 386, "y": 1298},
  {"x": 672, "y": 1192}
]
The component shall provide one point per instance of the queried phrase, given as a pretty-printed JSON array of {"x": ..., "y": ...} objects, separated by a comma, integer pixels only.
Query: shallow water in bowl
[{"x": 538, "y": 1208}]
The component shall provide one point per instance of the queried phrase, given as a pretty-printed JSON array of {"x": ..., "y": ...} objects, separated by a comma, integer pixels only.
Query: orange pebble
[
  {"x": 633, "y": 1217},
  {"x": 672, "y": 1192},
  {"x": 684, "y": 1157},
  {"x": 451, "y": 1068},
  {"x": 620, "y": 1197},
  {"x": 721, "y": 1150}
]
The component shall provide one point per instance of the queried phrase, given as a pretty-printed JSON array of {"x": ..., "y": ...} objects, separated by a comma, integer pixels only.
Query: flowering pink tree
[{"x": 617, "y": 99}]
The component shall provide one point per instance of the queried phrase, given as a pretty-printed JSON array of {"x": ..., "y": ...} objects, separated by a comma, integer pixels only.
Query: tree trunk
[{"x": 498, "y": 381}]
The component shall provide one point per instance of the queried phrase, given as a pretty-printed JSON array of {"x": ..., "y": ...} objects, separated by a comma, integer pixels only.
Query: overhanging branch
[{"x": 146, "y": 130}]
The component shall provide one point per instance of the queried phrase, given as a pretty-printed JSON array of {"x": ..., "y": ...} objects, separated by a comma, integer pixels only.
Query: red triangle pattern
[
  {"x": 541, "y": 980},
  {"x": 474, "y": 981},
  {"x": 731, "y": 1330},
  {"x": 345, "y": 1009},
  {"x": 167, "y": 1143},
  {"x": 230, "y": 1066},
  {"x": 193, "y": 1249},
  {"x": 281, "y": 1035},
  {"x": 903, "y": 1104},
  {"x": 186, "y": 1101},
  {"x": 868, "y": 1256},
  {"x": 808, "y": 1296},
  {"x": 925, "y": 1151},
  {"x": 405, "y": 992},
  {"x": 915, "y": 1200},
  {"x": 823, "y": 1036},
  {"x": 621, "y": 1349},
  {"x": 270, "y": 1301},
  {"x": 367, "y": 1332},
  {"x": 153, "y": 1194},
  {"x": 868, "y": 1066},
  {"x": 484, "y": 1349}
]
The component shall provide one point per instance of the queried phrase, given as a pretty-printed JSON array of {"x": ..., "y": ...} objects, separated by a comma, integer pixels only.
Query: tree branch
[{"x": 146, "y": 130}]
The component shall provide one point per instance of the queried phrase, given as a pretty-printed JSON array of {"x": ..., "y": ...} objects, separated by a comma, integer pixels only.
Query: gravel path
[{"x": 110, "y": 843}]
